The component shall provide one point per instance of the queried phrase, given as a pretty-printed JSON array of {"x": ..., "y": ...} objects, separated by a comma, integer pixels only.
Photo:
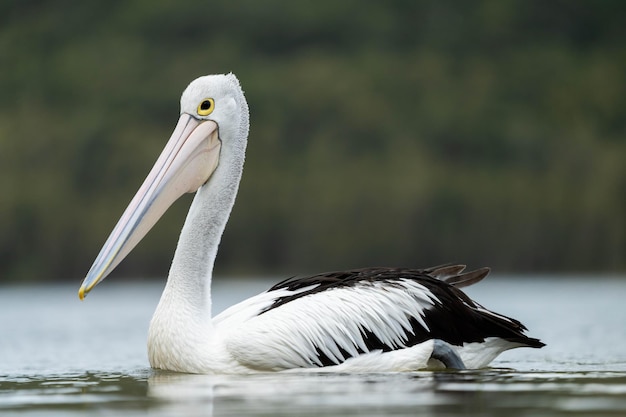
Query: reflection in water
[
  {"x": 490, "y": 392},
  {"x": 182, "y": 394},
  {"x": 487, "y": 392},
  {"x": 290, "y": 394}
]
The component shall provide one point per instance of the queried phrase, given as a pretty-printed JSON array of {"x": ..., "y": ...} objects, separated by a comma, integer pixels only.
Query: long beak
[{"x": 188, "y": 160}]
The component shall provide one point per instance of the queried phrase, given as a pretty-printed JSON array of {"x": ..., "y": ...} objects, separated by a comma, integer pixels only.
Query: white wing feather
[{"x": 292, "y": 335}]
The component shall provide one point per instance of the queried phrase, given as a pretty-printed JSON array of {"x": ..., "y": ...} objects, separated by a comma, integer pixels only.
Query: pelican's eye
[{"x": 206, "y": 107}]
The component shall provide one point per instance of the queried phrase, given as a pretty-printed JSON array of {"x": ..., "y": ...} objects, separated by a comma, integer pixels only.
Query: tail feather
[{"x": 453, "y": 275}]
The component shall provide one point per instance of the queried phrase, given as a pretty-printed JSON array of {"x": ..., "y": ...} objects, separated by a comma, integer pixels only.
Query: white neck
[
  {"x": 181, "y": 332},
  {"x": 181, "y": 328},
  {"x": 191, "y": 271}
]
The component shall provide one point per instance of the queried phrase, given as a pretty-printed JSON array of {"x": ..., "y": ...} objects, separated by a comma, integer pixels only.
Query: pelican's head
[{"x": 213, "y": 123}]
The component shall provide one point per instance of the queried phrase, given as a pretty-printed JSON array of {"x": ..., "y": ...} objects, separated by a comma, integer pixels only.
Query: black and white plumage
[
  {"x": 336, "y": 319},
  {"x": 366, "y": 320}
]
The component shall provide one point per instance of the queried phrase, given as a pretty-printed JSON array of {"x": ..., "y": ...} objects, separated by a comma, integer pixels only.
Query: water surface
[{"x": 60, "y": 356}]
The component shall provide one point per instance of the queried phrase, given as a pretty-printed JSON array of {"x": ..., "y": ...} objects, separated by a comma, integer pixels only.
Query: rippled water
[{"x": 59, "y": 356}]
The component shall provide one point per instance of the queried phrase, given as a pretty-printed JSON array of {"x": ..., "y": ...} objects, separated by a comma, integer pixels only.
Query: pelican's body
[{"x": 368, "y": 320}]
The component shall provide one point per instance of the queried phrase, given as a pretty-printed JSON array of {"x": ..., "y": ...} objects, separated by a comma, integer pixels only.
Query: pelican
[{"x": 362, "y": 320}]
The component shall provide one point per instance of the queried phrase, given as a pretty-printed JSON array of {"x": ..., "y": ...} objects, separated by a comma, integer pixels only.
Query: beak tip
[{"x": 82, "y": 293}]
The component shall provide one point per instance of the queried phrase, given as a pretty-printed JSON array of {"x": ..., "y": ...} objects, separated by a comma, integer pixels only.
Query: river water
[{"x": 60, "y": 356}]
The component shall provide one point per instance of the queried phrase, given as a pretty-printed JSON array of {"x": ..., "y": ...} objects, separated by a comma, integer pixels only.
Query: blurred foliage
[{"x": 382, "y": 133}]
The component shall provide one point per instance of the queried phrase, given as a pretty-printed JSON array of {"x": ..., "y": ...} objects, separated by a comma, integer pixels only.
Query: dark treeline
[{"x": 382, "y": 133}]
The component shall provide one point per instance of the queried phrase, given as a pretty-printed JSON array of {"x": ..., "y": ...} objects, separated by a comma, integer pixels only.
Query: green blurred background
[{"x": 382, "y": 132}]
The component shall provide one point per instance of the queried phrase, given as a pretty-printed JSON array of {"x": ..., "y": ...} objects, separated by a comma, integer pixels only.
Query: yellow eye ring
[{"x": 206, "y": 107}]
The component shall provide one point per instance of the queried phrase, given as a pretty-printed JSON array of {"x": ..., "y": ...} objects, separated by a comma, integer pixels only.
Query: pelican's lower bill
[{"x": 359, "y": 320}]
